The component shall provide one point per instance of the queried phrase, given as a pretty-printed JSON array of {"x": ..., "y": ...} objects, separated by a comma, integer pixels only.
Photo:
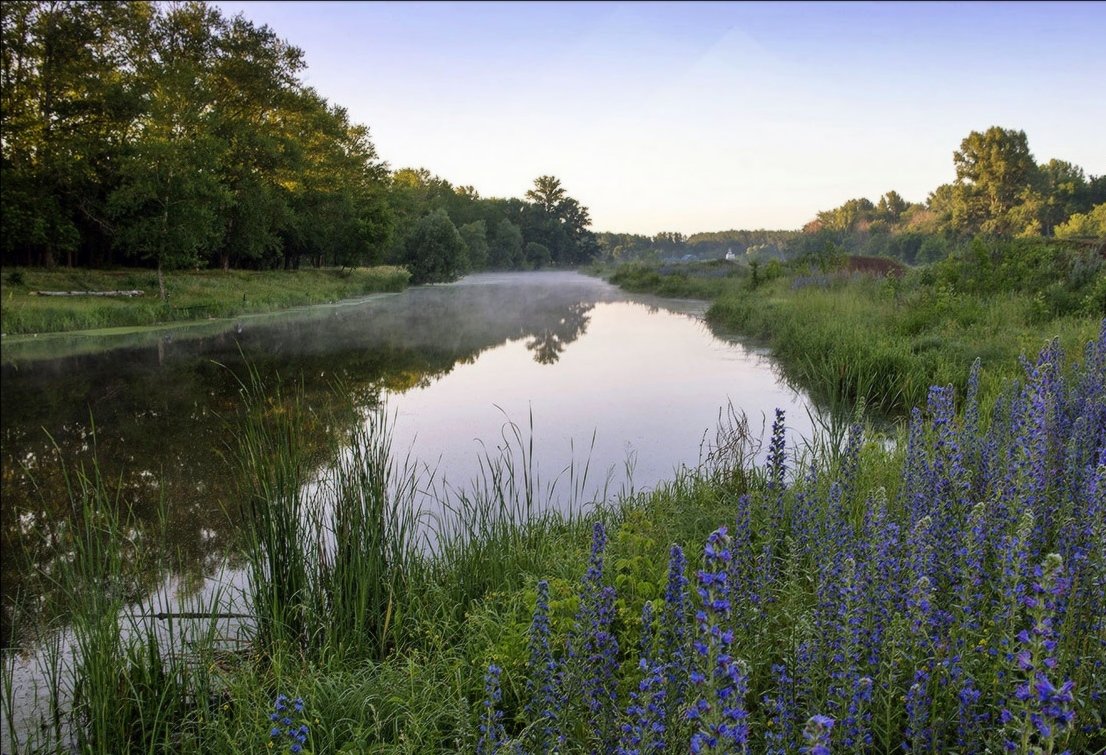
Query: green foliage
[
  {"x": 1031, "y": 266},
  {"x": 1088, "y": 225},
  {"x": 847, "y": 216},
  {"x": 537, "y": 256},
  {"x": 993, "y": 170},
  {"x": 625, "y": 247},
  {"x": 934, "y": 248},
  {"x": 999, "y": 191},
  {"x": 475, "y": 236},
  {"x": 171, "y": 135},
  {"x": 505, "y": 251},
  {"x": 557, "y": 222},
  {"x": 695, "y": 280},
  {"x": 435, "y": 251},
  {"x": 848, "y": 336},
  {"x": 496, "y": 231}
]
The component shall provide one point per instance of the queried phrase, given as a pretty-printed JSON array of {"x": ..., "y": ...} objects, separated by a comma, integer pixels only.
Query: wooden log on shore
[{"x": 133, "y": 292}]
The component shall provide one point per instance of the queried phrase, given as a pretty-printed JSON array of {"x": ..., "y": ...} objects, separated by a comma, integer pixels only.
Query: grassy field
[
  {"x": 862, "y": 338},
  {"x": 191, "y": 295}
]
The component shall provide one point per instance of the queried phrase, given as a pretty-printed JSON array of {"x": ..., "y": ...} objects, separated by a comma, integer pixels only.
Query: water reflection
[
  {"x": 159, "y": 416},
  {"x": 456, "y": 364},
  {"x": 548, "y": 345}
]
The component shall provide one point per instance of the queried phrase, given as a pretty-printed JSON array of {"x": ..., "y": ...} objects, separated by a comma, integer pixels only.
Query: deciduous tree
[{"x": 435, "y": 250}]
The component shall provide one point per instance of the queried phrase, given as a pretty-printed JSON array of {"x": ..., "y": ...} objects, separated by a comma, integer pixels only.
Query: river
[{"x": 559, "y": 367}]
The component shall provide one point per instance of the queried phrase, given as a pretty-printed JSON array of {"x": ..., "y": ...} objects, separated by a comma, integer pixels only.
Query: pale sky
[{"x": 708, "y": 116}]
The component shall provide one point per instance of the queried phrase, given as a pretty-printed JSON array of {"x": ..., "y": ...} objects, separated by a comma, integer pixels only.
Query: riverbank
[
  {"x": 192, "y": 295},
  {"x": 858, "y": 596},
  {"x": 849, "y": 572},
  {"x": 847, "y": 336}
]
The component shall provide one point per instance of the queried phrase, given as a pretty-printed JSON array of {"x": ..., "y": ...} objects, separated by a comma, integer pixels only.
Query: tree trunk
[{"x": 164, "y": 235}]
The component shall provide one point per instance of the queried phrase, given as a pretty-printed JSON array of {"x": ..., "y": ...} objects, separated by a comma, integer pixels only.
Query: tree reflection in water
[
  {"x": 159, "y": 418},
  {"x": 548, "y": 344}
]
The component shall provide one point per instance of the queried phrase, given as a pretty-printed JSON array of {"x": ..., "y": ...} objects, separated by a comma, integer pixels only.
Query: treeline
[
  {"x": 171, "y": 136},
  {"x": 445, "y": 230},
  {"x": 1000, "y": 191},
  {"x": 632, "y": 246}
]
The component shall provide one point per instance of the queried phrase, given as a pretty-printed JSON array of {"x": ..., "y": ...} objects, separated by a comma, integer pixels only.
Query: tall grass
[
  {"x": 367, "y": 573},
  {"x": 881, "y": 341},
  {"x": 940, "y": 593},
  {"x": 115, "y": 679},
  {"x": 331, "y": 552},
  {"x": 497, "y": 531},
  {"x": 850, "y": 336}
]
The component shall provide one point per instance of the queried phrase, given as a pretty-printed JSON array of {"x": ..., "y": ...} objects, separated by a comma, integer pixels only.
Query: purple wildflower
[
  {"x": 817, "y": 733},
  {"x": 290, "y": 721},
  {"x": 541, "y": 676},
  {"x": 492, "y": 735}
]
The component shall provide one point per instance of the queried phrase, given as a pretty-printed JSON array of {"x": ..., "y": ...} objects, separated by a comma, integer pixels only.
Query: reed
[{"x": 939, "y": 588}]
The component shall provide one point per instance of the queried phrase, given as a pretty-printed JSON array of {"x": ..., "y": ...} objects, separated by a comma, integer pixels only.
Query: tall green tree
[
  {"x": 168, "y": 204},
  {"x": 505, "y": 249},
  {"x": 558, "y": 222},
  {"x": 69, "y": 99},
  {"x": 255, "y": 77},
  {"x": 1063, "y": 191},
  {"x": 891, "y": 206},
  {"x": 537, "y": 256},
  {"x": 338, "y": 191},
  {"x": 1084, "y": 225},
  {"x": 475, "y": 236},
  {"x": 848, "y": 216},
  {"x": 547, "y": 194},
  {"x": 994, "y": 171},
  {"x": 435, "y": 252},
  {"x": 413, "y": 193}
]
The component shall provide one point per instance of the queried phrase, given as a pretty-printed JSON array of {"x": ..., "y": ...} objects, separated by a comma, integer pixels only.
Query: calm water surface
[
  {"x": 630, "y": 388},
  {"x": 565, "y": 366}
]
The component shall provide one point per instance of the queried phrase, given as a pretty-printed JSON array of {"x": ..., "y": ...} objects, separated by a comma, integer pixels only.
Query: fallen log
[{"x": 133, "y": 292}]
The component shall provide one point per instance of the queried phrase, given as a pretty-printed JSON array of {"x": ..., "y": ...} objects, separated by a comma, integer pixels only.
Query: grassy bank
[
  {"x": 191, "y": 295},
  {"x": 848, "y": 338},
  {"x": 942, "y": 591},
  {"x": 847, "y": 335}
]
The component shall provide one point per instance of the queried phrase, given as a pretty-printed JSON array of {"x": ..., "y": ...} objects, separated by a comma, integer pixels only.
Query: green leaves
[
  {"x": 177, "y": 137},
  {"x": 435, "y": 252}
]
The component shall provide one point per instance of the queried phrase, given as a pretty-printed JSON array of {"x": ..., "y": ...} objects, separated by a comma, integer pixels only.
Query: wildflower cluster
[
  {"x": 288, "y": 724},
  {"x": 960, "y": 609}
]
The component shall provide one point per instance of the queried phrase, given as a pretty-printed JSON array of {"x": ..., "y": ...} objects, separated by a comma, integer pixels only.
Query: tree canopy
[
  {"x": 1000, "y": 191},
  {"x": 169, "y": 135}
]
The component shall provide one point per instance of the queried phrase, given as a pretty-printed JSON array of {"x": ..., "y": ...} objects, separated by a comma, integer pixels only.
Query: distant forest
[
  {"x": 1000, "y": 191},
  {"x": 171, "y": 136}
]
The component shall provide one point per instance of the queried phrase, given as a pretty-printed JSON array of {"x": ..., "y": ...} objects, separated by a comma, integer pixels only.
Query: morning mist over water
[{"x": 625, "y": 388}]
